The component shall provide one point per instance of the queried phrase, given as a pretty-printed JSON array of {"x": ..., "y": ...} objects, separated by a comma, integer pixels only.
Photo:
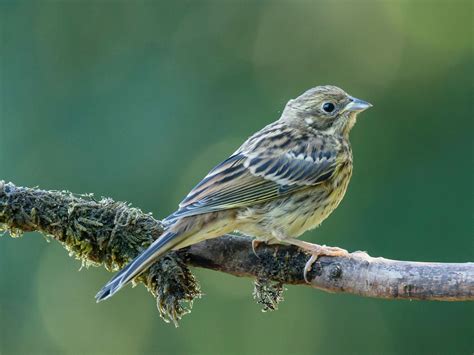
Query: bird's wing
[{"x": 271, "y": 165}]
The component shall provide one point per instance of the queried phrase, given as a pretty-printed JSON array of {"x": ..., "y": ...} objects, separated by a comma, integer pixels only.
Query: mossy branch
[{"x": 110, "y": 234}]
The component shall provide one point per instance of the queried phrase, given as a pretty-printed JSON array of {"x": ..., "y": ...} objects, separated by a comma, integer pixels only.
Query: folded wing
[{"x": 262, "y": 170}]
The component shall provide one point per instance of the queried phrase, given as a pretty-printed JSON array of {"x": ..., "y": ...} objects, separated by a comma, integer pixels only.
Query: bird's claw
[
  {"x": 321, "y": 250},
  {"x": 308, "y": 266},
  {"x": 255, "y": 244}
]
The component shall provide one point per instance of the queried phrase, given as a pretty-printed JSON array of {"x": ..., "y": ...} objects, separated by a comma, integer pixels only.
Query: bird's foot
[{"x": 317, "y": 251}]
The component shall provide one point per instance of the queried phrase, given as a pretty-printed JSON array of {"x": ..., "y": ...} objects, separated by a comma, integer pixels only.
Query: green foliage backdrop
[{"x": 137, "y": 100}]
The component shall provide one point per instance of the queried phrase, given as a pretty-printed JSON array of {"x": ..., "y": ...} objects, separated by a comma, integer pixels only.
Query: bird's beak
[{"x": 357, "y": 105}]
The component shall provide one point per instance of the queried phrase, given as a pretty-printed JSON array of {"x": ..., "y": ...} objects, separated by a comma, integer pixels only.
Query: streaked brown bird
[{"x": 284, "y": 180}]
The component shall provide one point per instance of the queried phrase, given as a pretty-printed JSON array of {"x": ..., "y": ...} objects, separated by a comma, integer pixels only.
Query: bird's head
[{"x": 324, "y": 108}]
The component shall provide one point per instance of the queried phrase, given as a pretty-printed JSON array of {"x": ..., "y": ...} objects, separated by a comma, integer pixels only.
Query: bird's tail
[{"x": 160, "y": 246}]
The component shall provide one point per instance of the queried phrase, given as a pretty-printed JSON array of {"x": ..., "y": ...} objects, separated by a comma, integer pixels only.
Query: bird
[{"x": 282, "y": 181}]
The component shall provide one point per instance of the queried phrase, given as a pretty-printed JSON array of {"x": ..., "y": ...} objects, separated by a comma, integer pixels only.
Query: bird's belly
[
  {"x": 303, "y": 212},
  {"x": 292, "y": 215}
]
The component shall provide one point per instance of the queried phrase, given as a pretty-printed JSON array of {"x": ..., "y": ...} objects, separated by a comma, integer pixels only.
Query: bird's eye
[{"x": 328, "y": 107}]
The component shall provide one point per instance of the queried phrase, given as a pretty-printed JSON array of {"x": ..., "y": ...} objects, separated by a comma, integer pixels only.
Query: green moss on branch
[{"x": 100, "y": 233}]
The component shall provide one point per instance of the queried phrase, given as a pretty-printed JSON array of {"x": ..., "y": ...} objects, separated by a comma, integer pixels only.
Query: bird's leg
[{"x": 316, "y": 251}]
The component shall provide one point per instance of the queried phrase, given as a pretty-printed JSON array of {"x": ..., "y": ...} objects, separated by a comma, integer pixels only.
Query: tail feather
[{"x": 160, "y": 246}]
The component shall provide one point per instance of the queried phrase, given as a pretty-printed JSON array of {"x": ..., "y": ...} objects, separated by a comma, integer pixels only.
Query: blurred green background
[{"x": 138, "y": 100}]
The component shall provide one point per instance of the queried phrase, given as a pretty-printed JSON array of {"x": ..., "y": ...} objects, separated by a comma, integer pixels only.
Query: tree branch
[{"x": 108, "y": 233}]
